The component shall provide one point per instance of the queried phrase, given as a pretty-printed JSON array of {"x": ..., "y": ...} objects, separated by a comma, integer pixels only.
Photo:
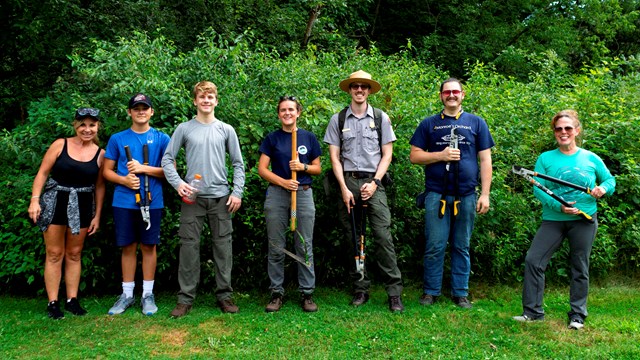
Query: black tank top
[{"x": 73, "y": 173}]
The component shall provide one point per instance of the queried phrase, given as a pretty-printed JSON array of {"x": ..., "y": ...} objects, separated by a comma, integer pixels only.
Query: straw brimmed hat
[{"x": 361, "y": 77}]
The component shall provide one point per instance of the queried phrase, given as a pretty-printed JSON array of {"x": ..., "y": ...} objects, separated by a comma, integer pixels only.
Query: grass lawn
[{"x": 336, "y": 331}]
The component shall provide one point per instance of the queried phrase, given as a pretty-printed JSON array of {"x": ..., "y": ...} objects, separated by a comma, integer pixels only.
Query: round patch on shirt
[{"x": 302, "y": 150}]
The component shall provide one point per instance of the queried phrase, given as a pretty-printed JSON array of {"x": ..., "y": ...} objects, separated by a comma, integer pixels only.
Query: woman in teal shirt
[{"x": 579, "y": 166}]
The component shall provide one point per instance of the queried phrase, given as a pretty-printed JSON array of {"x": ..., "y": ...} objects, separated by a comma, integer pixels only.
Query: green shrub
[{"x": 251, "y": 78}]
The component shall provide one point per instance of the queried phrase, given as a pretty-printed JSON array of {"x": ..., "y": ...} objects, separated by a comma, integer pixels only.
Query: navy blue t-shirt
[
  {"x": 433, "y": 135},
  {"x": 277, "y": 146}
]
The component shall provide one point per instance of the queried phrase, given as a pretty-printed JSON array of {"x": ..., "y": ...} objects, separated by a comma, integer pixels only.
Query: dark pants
[{"x": 379, "y": 220}]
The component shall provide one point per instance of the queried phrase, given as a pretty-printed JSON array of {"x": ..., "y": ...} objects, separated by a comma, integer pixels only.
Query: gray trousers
[
  {"x": 277, "y": 206},
  {"x": 546, "y": 241},
  {"x": 383, "y": 251},
  {"x": 192, "y": 220}
]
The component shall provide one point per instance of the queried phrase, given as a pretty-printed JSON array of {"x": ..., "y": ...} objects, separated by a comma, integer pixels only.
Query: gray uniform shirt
[
  {"x": 360, "y": 146},
  {"x": 205, "y": 148}
]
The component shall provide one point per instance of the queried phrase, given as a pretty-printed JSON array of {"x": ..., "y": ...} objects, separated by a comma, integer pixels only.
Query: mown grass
[{"x": 337, "y": 331}]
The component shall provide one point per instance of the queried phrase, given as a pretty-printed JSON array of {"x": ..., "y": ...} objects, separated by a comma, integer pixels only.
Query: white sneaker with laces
[
  {"x": 121, "y": 305},
  {"x": 576, "y": 324},
  {"x": 148, "y": 303}
]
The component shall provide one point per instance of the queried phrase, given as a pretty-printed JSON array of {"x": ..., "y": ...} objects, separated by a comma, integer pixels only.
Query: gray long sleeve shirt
[{"x": 205, "y": 149}]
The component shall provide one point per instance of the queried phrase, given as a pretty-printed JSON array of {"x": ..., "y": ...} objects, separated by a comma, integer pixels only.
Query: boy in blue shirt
[{"x": 129, "y": 176}]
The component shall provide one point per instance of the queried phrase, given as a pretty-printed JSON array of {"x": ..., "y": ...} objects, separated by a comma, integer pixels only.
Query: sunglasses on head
[
  {"x": 451, "y": 92},
  {"x": 566, "y": 129},
  {"x": 290, "y": 98},
  {"x": 87, "y": 112},
  {"x": 359, "y": 86}
]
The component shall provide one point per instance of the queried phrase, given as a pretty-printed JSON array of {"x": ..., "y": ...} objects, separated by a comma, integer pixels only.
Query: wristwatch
[
  {"x": 377, "y": 181},
  {"x": 306, "y": 167}
]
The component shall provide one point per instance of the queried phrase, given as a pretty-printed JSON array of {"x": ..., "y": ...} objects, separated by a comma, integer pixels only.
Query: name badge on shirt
[{"x": 346, "y": 129}]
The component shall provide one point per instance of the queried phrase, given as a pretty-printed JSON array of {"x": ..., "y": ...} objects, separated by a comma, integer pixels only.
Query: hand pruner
[{"x": 142, "y": 200}]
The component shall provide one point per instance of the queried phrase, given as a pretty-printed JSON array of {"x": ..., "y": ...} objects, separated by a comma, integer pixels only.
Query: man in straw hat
[{"x": 360, "y": 160}]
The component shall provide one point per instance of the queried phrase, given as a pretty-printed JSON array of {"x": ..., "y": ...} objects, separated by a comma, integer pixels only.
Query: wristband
[{"x": 306, "y": 167}]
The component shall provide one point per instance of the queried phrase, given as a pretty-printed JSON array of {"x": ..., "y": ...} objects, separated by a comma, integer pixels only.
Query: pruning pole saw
[
  {"x": 528, "y": 174},
  {"x": 143, "y": 200},
  {"x": 358, "y": 237}
]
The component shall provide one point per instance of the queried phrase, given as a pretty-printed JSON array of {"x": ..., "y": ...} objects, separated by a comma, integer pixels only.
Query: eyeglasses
[
  {"x": 87, "y": 112},
  {"x": 559, "y": 129},
  {"x": 285, "y": 98},
  {"x": 451, "y": 92},
  {"x": 359, "y": 86}
]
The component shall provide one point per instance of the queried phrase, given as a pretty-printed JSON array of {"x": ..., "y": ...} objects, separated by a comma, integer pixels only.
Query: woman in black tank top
[{"x": 67, "y": 208}]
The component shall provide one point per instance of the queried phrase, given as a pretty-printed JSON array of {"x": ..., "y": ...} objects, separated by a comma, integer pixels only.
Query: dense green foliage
[
  {"x": 513, "y": 35},
  {"x": 251, "y": 78}
]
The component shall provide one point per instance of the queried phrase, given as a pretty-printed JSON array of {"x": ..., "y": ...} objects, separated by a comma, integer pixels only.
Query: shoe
[
  {"x": 53, "y": 310},
  {"x": 148, "y": 304},
  {"x": 121, "y": 305},
  {"x": 275, "y": 303},
  {"x": 73, "y": 306},
  {"x": 359, "y": 298},
  {"x": 462, "y": 302},
  {"x": 180, "y": 310},
  {"x": 227, "y": 306},
  {"x": 576, "y": 323},
  {"x": 395, "y": 304},
  {"x": 526, "y": 318},
  {"x": 307, "y": 303},
  {"x": 427, "y": 299}
]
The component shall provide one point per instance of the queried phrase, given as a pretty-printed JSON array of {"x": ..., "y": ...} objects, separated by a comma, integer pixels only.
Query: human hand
[{"x": 233, "y": 204}]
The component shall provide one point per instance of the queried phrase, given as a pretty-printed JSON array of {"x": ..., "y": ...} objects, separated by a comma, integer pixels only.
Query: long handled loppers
[
  {"x": 358, "y": 237},
  {"x": 294, "y": 216},
  {"x": 141, "y": 199},
  {"x": 453, "y": 143},
  {"x": 528, "y": 174}
]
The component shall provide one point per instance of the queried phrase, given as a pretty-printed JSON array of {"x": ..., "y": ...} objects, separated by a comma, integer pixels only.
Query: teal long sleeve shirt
[{"x": 582, "y": 168}]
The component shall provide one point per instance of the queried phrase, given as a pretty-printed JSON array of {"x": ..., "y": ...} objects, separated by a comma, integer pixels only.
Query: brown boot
[
  {"x": 227, "y": 306},
  {"x": 307, "y": 303},
  {"x": 180, "y": 310},
  {"x": 275, "y": 303}
]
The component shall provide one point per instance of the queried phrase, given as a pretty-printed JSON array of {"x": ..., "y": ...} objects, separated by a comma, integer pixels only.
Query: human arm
[
  {"x": 46, "y": 165},
  {"x": 423, "y": 157},
  {"x": 367, "y": 190},
  {"x": 312, "y": 169},
  {"x": 347, "y": 195},
  {"x": 99, "y": 198},
  {"x": 169, "y": 162},
  {"x": 135, "y": 167},
  {"x": 130, "y": 180},
  {"x": 273, "y": 178},
  {"x": 486, "y": 174}
]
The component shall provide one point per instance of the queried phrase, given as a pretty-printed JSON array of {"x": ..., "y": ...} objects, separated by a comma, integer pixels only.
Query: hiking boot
[
  {"x": 121, "y": 305},
  {"x": 275, "y": 303},
  {"x": 53, "y": 310},
  {"x": 307, "y": 303},
  {"x": 462, "y": 302},
  {"x": 180, "y": 310},
  {"x": 427, "y": 299},
  {"x": 148, "y": 304},
  {"x": 395, "y": 304},
  {"x": 227, "y": 306},
  {"x": 576, "y": 323},
  {"x": 526, "y": 318},
  {"x": 73, "y": 306},
  {"x": 359, "y": 298}
]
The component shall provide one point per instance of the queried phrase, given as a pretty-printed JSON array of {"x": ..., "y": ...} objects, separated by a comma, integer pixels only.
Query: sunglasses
[
  {"x": 82, "y": 112},
  {"x": 290, "y": 98},
  {"x": 451, "y": 92},
  {"x": 359, "y": 86},
  {"x": 559, "y": 129}
]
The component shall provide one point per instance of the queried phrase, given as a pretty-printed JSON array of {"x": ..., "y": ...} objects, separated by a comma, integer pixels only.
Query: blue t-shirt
[
  {"x": 433, "y": 135},
  {"x": 157, "y": 142},
  {"x": 277, "y": 146}
]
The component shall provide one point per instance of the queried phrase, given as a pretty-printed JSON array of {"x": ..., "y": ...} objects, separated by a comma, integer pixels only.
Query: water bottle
[{"x": 197, "y": 184}]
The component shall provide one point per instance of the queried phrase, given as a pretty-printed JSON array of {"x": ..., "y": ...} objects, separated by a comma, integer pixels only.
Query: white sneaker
[
  {"x": 524, "y": 318},
  {"x": 121, "y": 305},
  {"x": 148, "y": 303},
  {"x": 576, "y": 323}
]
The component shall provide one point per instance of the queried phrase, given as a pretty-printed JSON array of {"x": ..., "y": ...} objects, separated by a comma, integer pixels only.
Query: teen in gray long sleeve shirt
[{"x": 205, "y": 140}]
